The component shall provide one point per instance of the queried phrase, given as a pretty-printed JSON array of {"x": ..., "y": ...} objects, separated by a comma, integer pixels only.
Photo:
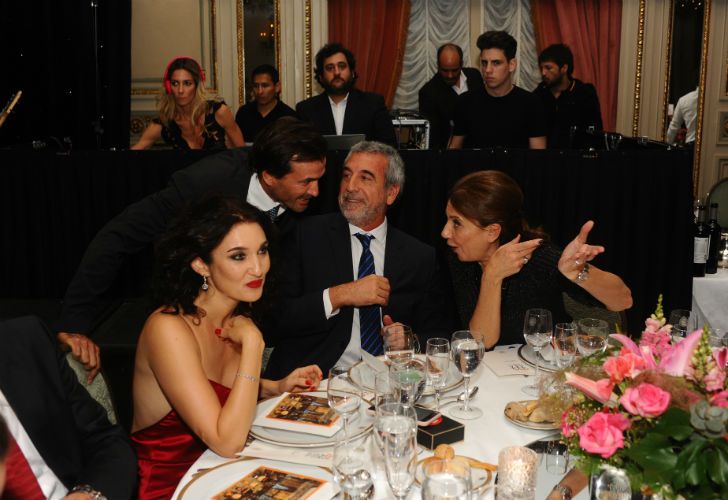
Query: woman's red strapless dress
[{"x": 166, "y": 450}]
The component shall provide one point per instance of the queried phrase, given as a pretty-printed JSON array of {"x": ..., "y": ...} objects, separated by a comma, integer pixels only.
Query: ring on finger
[
  {"x": 525, "y": 260},
  {"x": 577, "y": 262}
]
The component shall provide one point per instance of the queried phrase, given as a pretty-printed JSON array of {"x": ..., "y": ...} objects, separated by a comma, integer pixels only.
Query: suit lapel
[
  {"x": 340, "y": 244},
  {"x": 327, "y": 117},
  {"x": 351, "y": 114}
]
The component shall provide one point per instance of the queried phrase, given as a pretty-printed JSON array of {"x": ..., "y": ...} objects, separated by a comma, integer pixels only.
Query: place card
[{"x": 506, "y": 362}]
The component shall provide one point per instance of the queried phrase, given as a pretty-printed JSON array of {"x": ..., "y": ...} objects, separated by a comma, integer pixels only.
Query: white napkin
[
  {"x": 506, "y": 362},
  {"x": 373, "y": 362},
  {"x": 321, "y": 457}
]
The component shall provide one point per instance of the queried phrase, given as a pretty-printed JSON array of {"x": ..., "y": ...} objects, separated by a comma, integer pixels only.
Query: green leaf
[
  {"x": 675, "y": 423},
  {"x": 718, "y": 466},
  {"x": 697, "y": 470},
  {"x": 655, "y": 456}
]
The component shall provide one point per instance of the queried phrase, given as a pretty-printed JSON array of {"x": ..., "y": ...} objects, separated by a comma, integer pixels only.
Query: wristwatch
[
  {"x": 564, "y": 491},
  {"x": 583, "y": 274},
  {"x": 85, "y": 488}
]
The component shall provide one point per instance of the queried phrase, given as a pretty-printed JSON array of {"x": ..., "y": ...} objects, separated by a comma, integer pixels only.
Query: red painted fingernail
[
  {"x": 309, "y": 382},
  {"x": 218, "y": 331}
]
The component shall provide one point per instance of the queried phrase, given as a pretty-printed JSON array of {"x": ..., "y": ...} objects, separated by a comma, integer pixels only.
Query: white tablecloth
[
  {"x": 710, "y": 300},
  {"x": 484, "y": 437}
]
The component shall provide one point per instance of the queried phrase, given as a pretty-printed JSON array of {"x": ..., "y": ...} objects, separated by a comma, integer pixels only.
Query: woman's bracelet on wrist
[{"x": 251, "y": 378}]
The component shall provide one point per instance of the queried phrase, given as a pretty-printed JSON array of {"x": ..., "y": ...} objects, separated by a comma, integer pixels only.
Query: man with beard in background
[
  {"x": 571, "y": 106},
  {"x": 342, "y": 109}
]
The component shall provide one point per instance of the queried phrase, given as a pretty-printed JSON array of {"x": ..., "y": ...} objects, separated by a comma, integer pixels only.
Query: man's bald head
[{"x": 449, "y": 63}]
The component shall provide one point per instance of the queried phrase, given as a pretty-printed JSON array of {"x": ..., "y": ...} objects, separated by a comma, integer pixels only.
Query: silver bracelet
[
  {"x": 85, "y": 488},
  {"x": 583, "y": 274},
  {"x": 252, "y": 378}
]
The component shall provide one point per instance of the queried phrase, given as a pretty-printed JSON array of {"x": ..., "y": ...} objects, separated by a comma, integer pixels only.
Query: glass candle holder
[{"x": 517, "y": 468}]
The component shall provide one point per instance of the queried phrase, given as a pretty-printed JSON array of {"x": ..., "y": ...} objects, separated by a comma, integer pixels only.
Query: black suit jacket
[
  {"x": 141, "y": 223},
  {"x": 437, "y": 104},
  {"x": 365, "y": 114},
  {"x": 320, "y": 259},
  {"x": 68, "y": 428}
]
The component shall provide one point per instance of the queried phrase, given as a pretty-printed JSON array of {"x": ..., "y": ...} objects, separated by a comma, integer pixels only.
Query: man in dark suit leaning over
[
  {"x": 438, "y": 96},
  {"x": 350, "y": 272},
  {"x": 63, "y": 445},
  {"x": 280, "y": 178},
  {"x": 342, "y": 109}
]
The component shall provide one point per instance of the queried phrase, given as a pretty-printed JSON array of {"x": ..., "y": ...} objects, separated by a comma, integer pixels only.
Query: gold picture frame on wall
[{"x": 723, "y": 127}]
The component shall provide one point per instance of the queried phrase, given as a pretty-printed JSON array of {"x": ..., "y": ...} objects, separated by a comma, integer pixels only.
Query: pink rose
[
  {"x": 603, "y": 433},
  {"x": 626, "y": 365},
  {"x": 646, "y": 400},
  {"x": 720, "y": 399}
]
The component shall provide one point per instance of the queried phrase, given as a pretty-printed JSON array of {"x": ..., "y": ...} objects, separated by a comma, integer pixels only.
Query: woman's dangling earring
[{"x": 204, "y": 286}]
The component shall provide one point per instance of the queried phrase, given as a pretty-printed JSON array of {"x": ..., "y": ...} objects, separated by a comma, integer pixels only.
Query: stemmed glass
[
  {"x": 343, "y": 395},
  {"x": 400, "y": 456},
  {"x": 400, "y": 343},
  {"x": 467, "y": 352},
  {"x": 592, "y": 336},
  {"x": 351, "y": 462},
  {"x": 438, "y": 363},
  {"x": 393, "y": 418},
  {"x": 409, "y": 380},
  {"x": 537, "y": 330},
  {"x": 565, "y": 344},
  {"x": 682, "y": 323},
  {"x": 446, "y": 479}
]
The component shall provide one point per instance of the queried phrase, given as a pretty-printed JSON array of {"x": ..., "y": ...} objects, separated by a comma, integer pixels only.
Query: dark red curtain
[
  {"x": 591, "y": 28},
  {"x": 376, "y": 32}
]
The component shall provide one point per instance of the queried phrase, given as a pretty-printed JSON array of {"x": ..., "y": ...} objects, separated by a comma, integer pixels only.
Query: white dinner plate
[
  {"x": 218, "y": 479},
  {"x": 363, "y": 376},
  {"x": 359, "y": 426},
  {"x": 546, "y": 362}
]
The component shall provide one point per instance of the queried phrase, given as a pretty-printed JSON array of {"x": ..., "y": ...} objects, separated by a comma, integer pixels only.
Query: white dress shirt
[
  {"x": 686, "y": 110},
  {"x": 377, "y": 245},
  {"x": 260, "y": 199},
  {"x": 462, "y": 85},
  {"x": 49, "y": 483},
  {"x": 339, "y": 110}
]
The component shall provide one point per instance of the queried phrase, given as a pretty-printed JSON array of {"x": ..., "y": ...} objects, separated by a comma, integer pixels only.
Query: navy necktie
[
  {"x": 369, "y": 316},
  {"x": 272, "y": 213}
]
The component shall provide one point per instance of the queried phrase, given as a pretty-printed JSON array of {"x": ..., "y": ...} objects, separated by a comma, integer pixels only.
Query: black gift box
[{"x": 446, "y": 432}]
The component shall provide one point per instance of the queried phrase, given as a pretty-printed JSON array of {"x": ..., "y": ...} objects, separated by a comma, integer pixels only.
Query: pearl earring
[{"x": 204, "y": 286}]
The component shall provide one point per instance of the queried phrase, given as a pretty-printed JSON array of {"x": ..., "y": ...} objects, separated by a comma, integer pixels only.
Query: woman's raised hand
[
  {"x": 578, "y": 252},
  {"x": 301, "y": 379},
  {"x": 242, "y": 330},
  {"x": 510, "y": 258}
]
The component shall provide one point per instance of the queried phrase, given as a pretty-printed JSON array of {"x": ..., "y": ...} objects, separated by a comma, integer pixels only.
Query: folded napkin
[
  {"x": 321, "y": 457},
  {"x": 373, "y": 362},
  {"x": 506, "y": 362}
]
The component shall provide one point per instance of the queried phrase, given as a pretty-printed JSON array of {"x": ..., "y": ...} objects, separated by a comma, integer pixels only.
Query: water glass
[
  {"x": 557, "y": 458},
  {"x": 565, "y": 344},
  {"x": 383, "y": 389},
  {"x": 591, "y": 336},
  {"x": 344, "y": 397},
  {"x": 537, "y": 330},
  {"x": 438, "y": 364},
  {"x": 400, "y": 459},
  {"x": 517, "y": 469},
  {"x": 447, "y": 479},
  {"x": 683, "y": 322},
  {"x": 393, "y": 418},
  {"x": 612, "y": 483},
  {"x": 467, "y": 351},
  {"x": 351, "y": 469},
  {"x": 408, "y": 379},
  {"x": 400, "y": 343}
]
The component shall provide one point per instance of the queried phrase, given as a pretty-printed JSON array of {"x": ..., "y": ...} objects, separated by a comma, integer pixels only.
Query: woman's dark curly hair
[{"x": 196, "y": 232}]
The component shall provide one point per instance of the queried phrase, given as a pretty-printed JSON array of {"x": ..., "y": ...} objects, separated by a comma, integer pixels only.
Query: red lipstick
[{"x": 254, "y": 284}]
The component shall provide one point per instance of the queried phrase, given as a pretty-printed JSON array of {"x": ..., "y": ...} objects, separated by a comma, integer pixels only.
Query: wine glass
[
  {"x": 565, "y": 344},
  {"x": 343, "y": 395},
  {"x": 383, "y": 389},
  {"x": 400, "y": 457},
  {"x": 393, "y": 418},
  {"x": 537, "y": 330},
  {"x": 400, "y": 343},
  {"x": 351, "y": 469},
  {"x": 408, "y": 379},
  {"x": 682, "y": 324},
  {"x": 468, "y": 352},
  {"x": 438, "y": 363},
  {"x": 446, "y": 479},
  {"x": 591, "y": 336}
]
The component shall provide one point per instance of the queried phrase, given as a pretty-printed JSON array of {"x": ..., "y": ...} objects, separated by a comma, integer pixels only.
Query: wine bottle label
[{"x": 700, "y": 250}]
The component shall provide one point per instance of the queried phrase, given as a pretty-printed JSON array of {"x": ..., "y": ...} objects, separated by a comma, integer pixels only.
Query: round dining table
[{"x": 484, "y": 436}]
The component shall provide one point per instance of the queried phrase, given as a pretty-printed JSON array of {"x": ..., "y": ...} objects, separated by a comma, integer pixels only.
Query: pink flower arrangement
[{"x": 675, "y": 394}]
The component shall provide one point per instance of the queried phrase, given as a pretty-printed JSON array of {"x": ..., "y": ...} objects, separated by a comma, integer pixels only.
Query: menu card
[
  {"x": 299, "y": 412},
  {"x": 506, "y": 362}
]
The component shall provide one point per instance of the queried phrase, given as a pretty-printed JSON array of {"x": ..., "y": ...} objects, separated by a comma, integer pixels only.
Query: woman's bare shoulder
[{"x": 165, "y": 325}]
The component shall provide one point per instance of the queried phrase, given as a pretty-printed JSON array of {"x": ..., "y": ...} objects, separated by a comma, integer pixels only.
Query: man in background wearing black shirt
[
  {"x": 568, "y": 102},
  {"x": 267, "y": 106},
  {"x": 504, "y": 114}
]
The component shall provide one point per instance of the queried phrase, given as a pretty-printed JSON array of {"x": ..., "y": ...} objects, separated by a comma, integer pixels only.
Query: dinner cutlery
[{"x": 459, "y": 398}]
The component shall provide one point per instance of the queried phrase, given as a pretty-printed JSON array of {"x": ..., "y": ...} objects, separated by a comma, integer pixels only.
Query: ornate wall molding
[{"x": 638, "y": 70}]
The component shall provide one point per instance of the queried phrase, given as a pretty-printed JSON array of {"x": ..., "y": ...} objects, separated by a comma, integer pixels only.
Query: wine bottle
[
  {"x": 711, "y": 265},
  {"x": 701, "y": 241}
]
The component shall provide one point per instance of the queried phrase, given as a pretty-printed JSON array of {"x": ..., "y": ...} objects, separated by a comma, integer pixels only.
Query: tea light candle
[{"x": 517, "y": 467}]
